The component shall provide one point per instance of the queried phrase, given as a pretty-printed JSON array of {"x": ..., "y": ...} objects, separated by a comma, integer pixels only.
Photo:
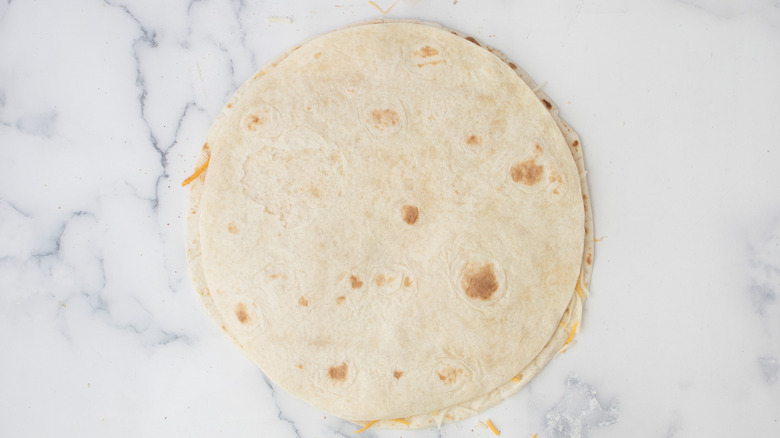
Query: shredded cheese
[
  {"x": 402, "y": 421},
  {"x": 571, "y": 334},
  {"x": 493, "y": 428},
  {"x": 579, "y": 288},
  {"x": 369, "y": 424},
  {"x": 197, "y": 172},
  {"x": 380, "y": 9}
]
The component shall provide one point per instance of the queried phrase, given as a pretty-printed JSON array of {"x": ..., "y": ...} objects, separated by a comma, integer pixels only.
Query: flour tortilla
[{"x": 392, "y": 224}]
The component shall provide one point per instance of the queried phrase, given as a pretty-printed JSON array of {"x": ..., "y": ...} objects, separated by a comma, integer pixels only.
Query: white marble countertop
[{"x": 104, "y": 106}]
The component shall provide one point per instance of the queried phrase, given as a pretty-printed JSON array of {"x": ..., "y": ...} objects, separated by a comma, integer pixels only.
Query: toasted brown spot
[
  {"x": 381, "y": 280},
  {"x": 384, "y": 119},
  {"x": 449, "y": 375},
  {"x": 230, "y": 105},
  {"x": 355, "y": 282},
  {"x": 430, "y": 63},
  {"x": 299, "y": 366},
  {"x": 575, "y": 143},
  {"x": 527, "y": 172},
  {"x": 232, "y": 228},
  {"x": 474, "y": 140},
  {"x": 589, "y": 260},
  {"x": 472, "y": 40},
  {"x": 340, "y": 299},
  {"x": 397, "y": 374},
  {"x": 317, "y": 55},
  {"x": 303, "y": 301},
  {"x": 519, "y": 376},
  {"x": 253, "y": 121},
  {"x": 426, "y": 52},
  {"x": 241, "y": 313},
  {"x": 407, "y": 281},
  {"x": 338, "y": 372},
  {"x": 538, "y": 149},
  {"x": 555, "y": 177},
  {"x": 479, "y": 281},
  {"x": 513, "y": 66},
  {"x": 410, "y": 214},
  {"x": 547, "y": 104}
]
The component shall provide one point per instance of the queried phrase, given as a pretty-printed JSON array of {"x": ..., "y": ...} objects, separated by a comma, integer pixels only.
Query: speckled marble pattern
[{"x": 103, "y": 109}]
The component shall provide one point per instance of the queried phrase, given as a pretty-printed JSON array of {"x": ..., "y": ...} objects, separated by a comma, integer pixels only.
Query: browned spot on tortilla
[
  {"x": 317, "y": 55},
  {"x": 555, "y": 177},
  {"x": 478, "y": 281},
  {"x": 527, "y": 172},
  {"x": 381, "y": 280},
  {"x": 223, "y": 328},
  {"x": 384, "y": 119},
  {"x": 397, "y": 374},
  {"x": 355, "y": 282},
  {"x": 575, "y": 143},
  {"x": 430, "y": 63},
  {"x": 584, "y": 196},
  {"x": 253, "y": 121},
  {"x": 589, "y": 260},
  {"x": 303, "y": 301},
  {"x": 232, "y": 228},
  {"x": 230, "y": 105},
  {"x": 519, "y": 376},
  {"x": 513, "y": 66},
  {"x": 449, "y": 375},
  {"x": 299, "y": 366},
  {"x": 275, "y": 276},
  {"x": 410, "y": 214},
  {"x": 407, "y": 281},
  {"x": 241, "y": 313},
  {"x": 340, "y": 299},
  {"x": 426, "y": 52},
  {"x": 315, "y": 191},
  {"x": 538, "y": 149},
  {"x": 472, "y": 40},
  {"x": 338, "y": 372},
  {"x": 557, "y": 191},
  {"x": 547, "y": 104},
  {"x": 474, "y": 140}
]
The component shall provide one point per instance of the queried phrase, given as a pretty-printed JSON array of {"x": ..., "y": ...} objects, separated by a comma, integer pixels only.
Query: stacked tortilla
[{"x": 393, "y": 224}]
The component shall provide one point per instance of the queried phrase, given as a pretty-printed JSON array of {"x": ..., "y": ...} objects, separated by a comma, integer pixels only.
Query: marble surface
[{"x": 104, "y": 106}]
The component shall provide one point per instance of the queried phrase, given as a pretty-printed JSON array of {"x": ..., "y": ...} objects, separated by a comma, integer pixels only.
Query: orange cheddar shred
[
  {"x": 369, "y": 424},
  {"x": 493, "y": 428},
  {"x": 197, "y": 172}
]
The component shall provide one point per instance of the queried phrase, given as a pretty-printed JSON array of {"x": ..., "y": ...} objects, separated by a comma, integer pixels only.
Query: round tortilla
[{"x": 392, "y": 224}]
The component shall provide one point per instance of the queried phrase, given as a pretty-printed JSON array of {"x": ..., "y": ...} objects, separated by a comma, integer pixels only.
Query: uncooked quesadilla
[{"x": 393, "y": 223}]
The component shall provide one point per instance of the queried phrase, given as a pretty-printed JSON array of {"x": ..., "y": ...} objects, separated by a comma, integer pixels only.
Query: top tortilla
[{"x": 391, "y": 224}]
